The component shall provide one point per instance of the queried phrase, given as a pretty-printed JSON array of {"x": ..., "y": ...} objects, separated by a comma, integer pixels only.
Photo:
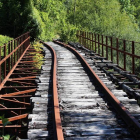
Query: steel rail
[
  {"x": 132, "y": 123},
  {"x": 57, "y": 119}
]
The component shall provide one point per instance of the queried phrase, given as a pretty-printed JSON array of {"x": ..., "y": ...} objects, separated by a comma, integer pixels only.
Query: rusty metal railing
[
  {"x": 10, "y": 55},
  {"x": 123, "y": 52}
]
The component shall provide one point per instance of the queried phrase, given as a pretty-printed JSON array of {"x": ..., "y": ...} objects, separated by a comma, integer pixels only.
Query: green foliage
[
  {"x": 46, "y": 19},
  {"x": 6, "y": 137},
  {"x": 37, "y": 23},
  {"x": 127, "y": 6},
  {"x": 68, "y": 32},
  {"x": 43, "y": 18},
  {"x": 5, "y": 122},
  {"x": 38, "y": 57},
  {"x": 104, "y": 17},
  {"x": 4, "y": 39}
]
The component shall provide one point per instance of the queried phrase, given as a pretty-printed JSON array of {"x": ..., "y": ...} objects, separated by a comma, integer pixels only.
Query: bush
[
  {"x": 4, "y": 39},
  {"x": 68, "y": 33}
]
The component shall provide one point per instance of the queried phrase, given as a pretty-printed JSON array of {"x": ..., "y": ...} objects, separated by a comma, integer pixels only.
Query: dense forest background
[{"x": 47, "y": 19}]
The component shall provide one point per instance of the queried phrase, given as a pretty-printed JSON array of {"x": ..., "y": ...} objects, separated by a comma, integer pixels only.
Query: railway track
[
  {"x": 86, "y": 109},
  {"x": 71, "y": 98},
  {"x": 40, "y": 120}
]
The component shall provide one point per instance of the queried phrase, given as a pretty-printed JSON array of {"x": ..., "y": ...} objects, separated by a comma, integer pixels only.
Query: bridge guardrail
[
  {"x": 10, "y": 55},
  {"x": 123, "y": 52}
]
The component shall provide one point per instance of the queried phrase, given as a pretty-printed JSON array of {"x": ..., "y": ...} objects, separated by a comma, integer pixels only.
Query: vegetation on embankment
[
  {"x": 38, "y": 55},
  {"x": 47, "y": 19},
  {"x": 4, "y": 39}
]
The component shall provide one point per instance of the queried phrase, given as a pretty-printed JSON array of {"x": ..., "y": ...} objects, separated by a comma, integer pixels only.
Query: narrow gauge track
[
  {"x": 86, "y": 113},
  {"x": 120, "y": 82},
  {"x": 125, "y": 80},
  {"x": 25, "y": 91}
]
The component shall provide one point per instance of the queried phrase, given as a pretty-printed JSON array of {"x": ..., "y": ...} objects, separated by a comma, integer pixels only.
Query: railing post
[
  {"x": 106, "y": 47},
  {"x": 24, "y": 43},
  {"x": 117, "y": 47},
  {"x": 111, "y": 49},
  {"x": 102, "y": 45},
  {"x": 85, "y": 40},
  {"x": 29, "y": 41},
  {"x": 9, "y": 60},
  {"x": 17, "y": 49},
  {"x": 15, "y": 52},
  {"x": 79, "y": 36},
  {"x": 98, "y": 44},
  {"x": 12, "y": 54},
  {"x": 124, "y": 48},
  {"x": 92, "y": 41},
  {"x": 5, "y": 60},
  {"x": 0, "y": 65},
  {"x": 95, "y": 42},
  {"x": 88, "y": 40},
  {"x": 133, "y": 58}
]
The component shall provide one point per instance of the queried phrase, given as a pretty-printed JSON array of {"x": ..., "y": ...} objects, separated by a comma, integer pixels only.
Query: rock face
[{"x": 40, "y": 127}]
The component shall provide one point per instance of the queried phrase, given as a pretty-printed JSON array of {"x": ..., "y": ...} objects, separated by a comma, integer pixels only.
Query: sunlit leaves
[{"x": 4, "y": 39}]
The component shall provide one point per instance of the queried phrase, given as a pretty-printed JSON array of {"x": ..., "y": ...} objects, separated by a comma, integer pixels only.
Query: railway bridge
[{"x": 78, "y": 91}]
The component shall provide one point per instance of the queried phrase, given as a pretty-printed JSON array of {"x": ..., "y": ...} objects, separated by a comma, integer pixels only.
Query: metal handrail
[
  {"x": 12, "y": 53},
  {"x": 108, "y": 47}
]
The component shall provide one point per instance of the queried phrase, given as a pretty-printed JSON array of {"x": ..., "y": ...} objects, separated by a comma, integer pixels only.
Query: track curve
[
  {"x": 132, "y": 123},
  {"x": 57, "y": 120}
]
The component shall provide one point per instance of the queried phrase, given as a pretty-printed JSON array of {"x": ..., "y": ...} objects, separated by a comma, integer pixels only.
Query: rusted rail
[
  {"x": 126, "y": 52},
  {"x": 131, "y": 122},
  {"x": 57, "y": 120}
]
